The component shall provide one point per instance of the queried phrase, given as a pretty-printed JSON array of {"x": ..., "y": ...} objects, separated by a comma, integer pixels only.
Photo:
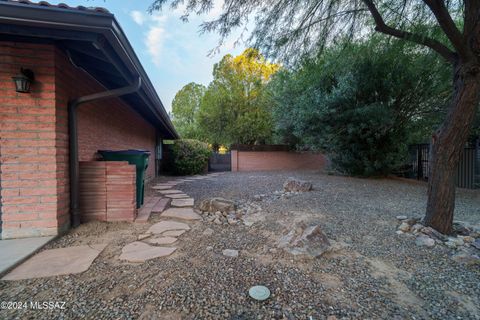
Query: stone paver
[
  {"x": 15, "y": 251},
  {"x": 143, "y": 215},
  {"x": 172, "y": 191},
  {"x": 162, "y": 187},
  {"x": 181, "y": 213},
  {"x": 198, "y": 177},
  {"x": 140, "y": 252},
  {"x": 177, "y": 196},
  {"x": 147, "y": 208},
  {"x": 162, "y": 240},
  {"x": 144, "y": 236},
  {"x": 57, "y": 262},
  {"x": 187, "y": 202},
  {"x": 173, "y": 233},
  {"x": 161, "y": 205},
  {"x": 167, "y": 225}
]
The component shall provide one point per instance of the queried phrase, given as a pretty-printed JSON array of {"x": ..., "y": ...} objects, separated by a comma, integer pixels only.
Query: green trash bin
[{"x": 137, "y": 157}]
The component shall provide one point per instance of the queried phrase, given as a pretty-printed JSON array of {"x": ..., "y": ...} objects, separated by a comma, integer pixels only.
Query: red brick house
[{"x": 89, "y": 92}]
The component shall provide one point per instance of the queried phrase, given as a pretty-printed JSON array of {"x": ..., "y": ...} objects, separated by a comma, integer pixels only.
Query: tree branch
[
  {"x": 433, "y": 44},
  {"x": 448, "y": 26},
  {"x": 471, "y": 28},
  {"x": 472, "y": 8}
]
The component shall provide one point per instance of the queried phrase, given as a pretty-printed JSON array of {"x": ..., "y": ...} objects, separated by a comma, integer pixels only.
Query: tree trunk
[{"x": 448, "y": 144}]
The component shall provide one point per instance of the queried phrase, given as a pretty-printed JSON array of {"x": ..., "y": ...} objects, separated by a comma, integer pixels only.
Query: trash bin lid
[{"x": 129, "y": 151}]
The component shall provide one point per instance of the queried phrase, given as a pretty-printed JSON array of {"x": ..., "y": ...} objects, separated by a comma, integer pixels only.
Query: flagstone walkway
[
  {"x": 176, "y": 213},
  {"x": 176, "y": 210}
]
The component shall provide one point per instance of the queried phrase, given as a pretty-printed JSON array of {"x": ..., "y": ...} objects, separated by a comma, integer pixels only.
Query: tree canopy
[
  {"x": 291, "y": 28},
  {"x": 185, "y": 107},
  {"x": 235, "y": 108}
]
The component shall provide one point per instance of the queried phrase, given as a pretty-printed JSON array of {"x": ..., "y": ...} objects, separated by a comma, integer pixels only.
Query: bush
[
  {"x": 360, "y": 103},
  {"x": 190, "y": 157}
]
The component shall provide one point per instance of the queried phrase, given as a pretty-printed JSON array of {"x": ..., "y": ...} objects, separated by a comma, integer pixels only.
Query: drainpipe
[{"x": 73, "y": 140}]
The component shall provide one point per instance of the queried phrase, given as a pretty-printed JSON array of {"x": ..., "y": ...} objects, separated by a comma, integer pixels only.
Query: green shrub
[
  {"x": 361, "y": 103},
  {"x": 190, "y": 157}
]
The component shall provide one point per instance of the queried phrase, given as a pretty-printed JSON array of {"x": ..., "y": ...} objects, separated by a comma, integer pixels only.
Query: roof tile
[{"x": 60, "y": 6}]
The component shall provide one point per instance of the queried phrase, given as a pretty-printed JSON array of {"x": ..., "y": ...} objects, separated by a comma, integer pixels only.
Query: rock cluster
[
  {"x": 466, "y": 241},
  {"x": 296, "y": 185},
  {"x": 217, "y": 204},
  {"x": 221, "y": 217},
  {"x": 226, "y": 212},
  {"x": 306, "y": 240}
]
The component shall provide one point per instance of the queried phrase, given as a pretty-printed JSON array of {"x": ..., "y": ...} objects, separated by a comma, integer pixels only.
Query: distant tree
[
  {"x": 235, "y": 108},
  {"x": 185, "y": 107},
  {"x": 450, "y": 28}
]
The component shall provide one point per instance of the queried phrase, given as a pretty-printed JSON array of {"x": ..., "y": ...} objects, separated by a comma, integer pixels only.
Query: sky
[{"x": 172, "y": 52}]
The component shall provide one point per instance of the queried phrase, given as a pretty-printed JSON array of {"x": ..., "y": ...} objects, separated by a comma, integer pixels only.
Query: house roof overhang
[{"x": 95, "y": 42}]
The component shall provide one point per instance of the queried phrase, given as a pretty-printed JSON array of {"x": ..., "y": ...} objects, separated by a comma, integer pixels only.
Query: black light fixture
[{"x": 24, "y": 80}]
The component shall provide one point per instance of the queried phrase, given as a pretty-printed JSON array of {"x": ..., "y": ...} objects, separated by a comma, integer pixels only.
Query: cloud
[
  {"x": 154, "y": 41},
  {"x": 138, "y": 17},
  {"x": 178, "y": 53}
]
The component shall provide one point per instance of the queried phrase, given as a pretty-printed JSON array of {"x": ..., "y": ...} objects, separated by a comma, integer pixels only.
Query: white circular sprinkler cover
[{"x": 259, "y": 293}]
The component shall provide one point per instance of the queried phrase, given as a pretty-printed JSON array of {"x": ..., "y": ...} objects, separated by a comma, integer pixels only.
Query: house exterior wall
[
  {"x": 33, "y": 174},
  {"x": 276, "y": 160},
  {"x": 107, "y": 124},
  {"x": 34, "y": 184}
]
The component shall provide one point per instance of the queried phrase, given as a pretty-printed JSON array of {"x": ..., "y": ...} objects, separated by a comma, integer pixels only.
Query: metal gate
[
  {"x": 419, "y": 159},
  {"x": 468, "y": 171},
  {"x": 220, "y": 162}
]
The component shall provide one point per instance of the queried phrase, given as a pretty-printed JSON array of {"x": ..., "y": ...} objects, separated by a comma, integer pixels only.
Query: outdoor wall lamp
[{"x": 23, "y": 80}]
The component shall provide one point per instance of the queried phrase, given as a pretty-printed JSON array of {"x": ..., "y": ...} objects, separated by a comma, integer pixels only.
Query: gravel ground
[{"x": 377, "y": 275}]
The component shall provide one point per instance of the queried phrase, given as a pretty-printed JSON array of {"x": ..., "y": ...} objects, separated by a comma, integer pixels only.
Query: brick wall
[
  {"x": 276, "y": 160},
  {"x": 107, "y": 124},
  {"x": 33, "y": 189},
  {"x": 34, "y": 185}
]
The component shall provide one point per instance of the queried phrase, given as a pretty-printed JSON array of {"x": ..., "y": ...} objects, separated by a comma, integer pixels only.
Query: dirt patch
[
  {"x": 472, "y": 304},
  {"x": 395, "y": 277}
]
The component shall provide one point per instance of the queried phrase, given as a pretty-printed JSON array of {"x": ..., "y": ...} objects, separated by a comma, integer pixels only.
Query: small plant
[{"x": 190, "y": 157}]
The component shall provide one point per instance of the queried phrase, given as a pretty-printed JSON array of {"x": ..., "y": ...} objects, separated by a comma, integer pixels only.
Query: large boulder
[
  {"x": 295, "y": 185},
  {"x": 305, "y": 240},
  {"x": 217, "y": 204}
]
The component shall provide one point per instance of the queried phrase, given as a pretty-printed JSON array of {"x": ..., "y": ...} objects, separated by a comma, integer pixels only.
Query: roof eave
[{"x": 100, "y": 23}]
